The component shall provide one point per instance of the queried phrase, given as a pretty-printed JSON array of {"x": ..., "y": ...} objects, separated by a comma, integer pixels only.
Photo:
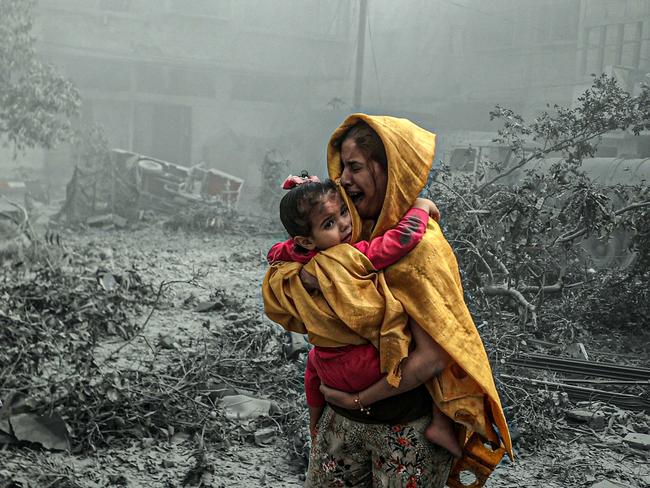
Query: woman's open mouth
[{"x": 356, "y": 196}]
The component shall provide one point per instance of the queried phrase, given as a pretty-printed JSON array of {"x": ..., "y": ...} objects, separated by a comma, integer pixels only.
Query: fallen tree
[
  {"x": 521, "y": 239},
  {"x": 520, "y": 229}
]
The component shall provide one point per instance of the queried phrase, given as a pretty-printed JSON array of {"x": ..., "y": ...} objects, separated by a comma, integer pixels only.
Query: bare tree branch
[
  {"x": 574, "y": 234},
  {"x": 581, "y": 137},
  {"x": 511, "y": 292}
]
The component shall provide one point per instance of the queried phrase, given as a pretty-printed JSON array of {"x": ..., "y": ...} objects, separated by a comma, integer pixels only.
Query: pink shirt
[
  {"x": 354, "y": 368},
  {"x": 382, "y": 251}
]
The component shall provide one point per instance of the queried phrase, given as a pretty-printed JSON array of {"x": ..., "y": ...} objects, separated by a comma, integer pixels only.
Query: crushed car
[{"x": 133, "y": 183}]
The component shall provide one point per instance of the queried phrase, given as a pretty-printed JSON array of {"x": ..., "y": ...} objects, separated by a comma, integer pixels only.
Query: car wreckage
[{"x": 133, "y": 183}]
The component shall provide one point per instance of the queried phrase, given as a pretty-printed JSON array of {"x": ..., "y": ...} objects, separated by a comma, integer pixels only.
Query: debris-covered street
[
  {"x": 190, "y": 306},
  {"x": 153, "y": 410},
  {"x": 324, "y": 243}
]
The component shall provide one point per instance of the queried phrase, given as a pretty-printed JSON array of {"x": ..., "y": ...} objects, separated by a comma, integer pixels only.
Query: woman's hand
[
  {"x": 427, "y": 360},
  {"x": 339, "y": 398},
  {"x": 428, "y": 206},
  {"x": 309, "y": 281}
]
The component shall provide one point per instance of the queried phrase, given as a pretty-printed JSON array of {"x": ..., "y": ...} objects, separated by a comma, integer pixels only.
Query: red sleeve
[
  {"x": 396, "y": 243},
  {"x": 286, "y": 251},
  {"x": 312, "y": 383}
]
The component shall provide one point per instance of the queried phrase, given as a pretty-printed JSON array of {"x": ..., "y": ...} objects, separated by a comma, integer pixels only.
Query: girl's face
[
  {"x": 363, "y": 179},
  {"x": 330, "y": 225}
]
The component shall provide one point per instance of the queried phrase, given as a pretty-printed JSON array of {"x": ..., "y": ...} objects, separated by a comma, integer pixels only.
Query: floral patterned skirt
[{"x": 349, "y": 453}]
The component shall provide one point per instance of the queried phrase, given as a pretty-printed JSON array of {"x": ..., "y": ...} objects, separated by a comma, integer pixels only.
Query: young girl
[{"x": 314, "y": 215}]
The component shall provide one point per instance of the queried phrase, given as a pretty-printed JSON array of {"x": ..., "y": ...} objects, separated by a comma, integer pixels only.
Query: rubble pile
[
  {"x": 581, "y": 407},
  {"x": 219, "y": 387},
  {"x": 58, "y": 393},
  {"x": 219, "y": 218},
  {"x": 108, "y": 190},
  {"x": 50, "y": 320},
  {"x": 129, "y": 185},
  {"x": 49, "y": 313}
]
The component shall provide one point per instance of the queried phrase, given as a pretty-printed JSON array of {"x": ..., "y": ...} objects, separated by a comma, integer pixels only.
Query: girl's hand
[
  {"x": 428, "y": 206},
  {"x": 339, "y": 398}
]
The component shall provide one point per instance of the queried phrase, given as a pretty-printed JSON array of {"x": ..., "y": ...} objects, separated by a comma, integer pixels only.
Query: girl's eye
[
  {"x": 344, "y": 210},
  {"x": 328, "y": 224}
]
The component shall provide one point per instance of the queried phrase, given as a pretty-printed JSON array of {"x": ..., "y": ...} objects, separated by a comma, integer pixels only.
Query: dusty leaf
[
  {"x": 208, "y": 306},
  {"x": 107, "y": 281},
  {"x": 50, "y": 432},
  {"x": 113, "y": 395}
]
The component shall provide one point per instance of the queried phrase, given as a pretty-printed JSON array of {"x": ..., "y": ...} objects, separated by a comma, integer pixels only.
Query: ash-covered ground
[{"x": 148, "y": 402}]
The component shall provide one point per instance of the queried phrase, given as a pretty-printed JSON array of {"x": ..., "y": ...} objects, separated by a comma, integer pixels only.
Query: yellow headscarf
[{"x": 426, "y": 283}]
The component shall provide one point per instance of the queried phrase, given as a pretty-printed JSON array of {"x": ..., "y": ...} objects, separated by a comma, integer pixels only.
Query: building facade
[
  {"x": 469, "y": 56},
  {"x": 225, "y": 81},
  {"x": 214, "y": 81}
]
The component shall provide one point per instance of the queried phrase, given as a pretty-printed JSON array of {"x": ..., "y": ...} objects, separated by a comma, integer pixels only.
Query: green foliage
[
  {"x": 520, "y": 231},
  {"x": 53, "y": 312},
  {"x": 91, "y": 149},
  {"x": 573, "y": 132},
  {"x": 274, "y": 170},
  {"x": 36, "y": 102},
  {"x": 618, "y": 298}
]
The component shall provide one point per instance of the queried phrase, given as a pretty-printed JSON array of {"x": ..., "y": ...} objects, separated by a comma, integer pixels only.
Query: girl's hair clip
[{"x": 294, "y": 181}]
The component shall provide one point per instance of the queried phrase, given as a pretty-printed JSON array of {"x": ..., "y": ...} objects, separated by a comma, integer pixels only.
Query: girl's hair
[
  {"x": 368, "y": 142},
  {"x": 296, "y": 206}
]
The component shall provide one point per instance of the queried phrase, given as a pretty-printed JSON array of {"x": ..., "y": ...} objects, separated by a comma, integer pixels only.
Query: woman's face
[{"x": 363, "y": 179}]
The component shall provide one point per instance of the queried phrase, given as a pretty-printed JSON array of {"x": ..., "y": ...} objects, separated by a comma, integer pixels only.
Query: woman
[{"x": 382, "y": 164}]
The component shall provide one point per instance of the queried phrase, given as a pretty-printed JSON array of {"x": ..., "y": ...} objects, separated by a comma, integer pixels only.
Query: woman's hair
[
  {"x": 368, "y": 142},
  {"x": 296, "y": 206}
]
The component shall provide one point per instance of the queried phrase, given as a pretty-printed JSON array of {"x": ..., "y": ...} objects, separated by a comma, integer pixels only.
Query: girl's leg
[
  {"x": 403, "y": 457},
  {"x": 441, "y": 431},
  {"x": 338, "y": 455}
]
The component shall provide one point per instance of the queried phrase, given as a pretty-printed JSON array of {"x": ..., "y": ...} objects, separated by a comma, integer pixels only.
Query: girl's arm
[
  {"x": 427, "y": 360},
  {"x": 389, "y": 248},
  {"x": 394, "y": 244},
  {"x": 286, "y": 251}
]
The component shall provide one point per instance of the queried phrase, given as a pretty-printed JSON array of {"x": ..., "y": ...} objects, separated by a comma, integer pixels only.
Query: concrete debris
[
  {"x": 596, "y": 420},
  {"x": 295, "y": 344},
  {"x": 243, "y": 407},
  {"x": 640, "y": 441},
  {"x": 264, "y": 436},
  {"x": 578, "y": 351},
  {"x": 609, "y": 484}
]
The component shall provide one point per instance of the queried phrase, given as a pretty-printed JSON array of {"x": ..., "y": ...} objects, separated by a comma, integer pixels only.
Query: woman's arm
[{"x": 427, "y": 360}]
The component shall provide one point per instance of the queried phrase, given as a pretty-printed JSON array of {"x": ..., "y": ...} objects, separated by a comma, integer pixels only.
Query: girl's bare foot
[{"x": 441, "y": 432}]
